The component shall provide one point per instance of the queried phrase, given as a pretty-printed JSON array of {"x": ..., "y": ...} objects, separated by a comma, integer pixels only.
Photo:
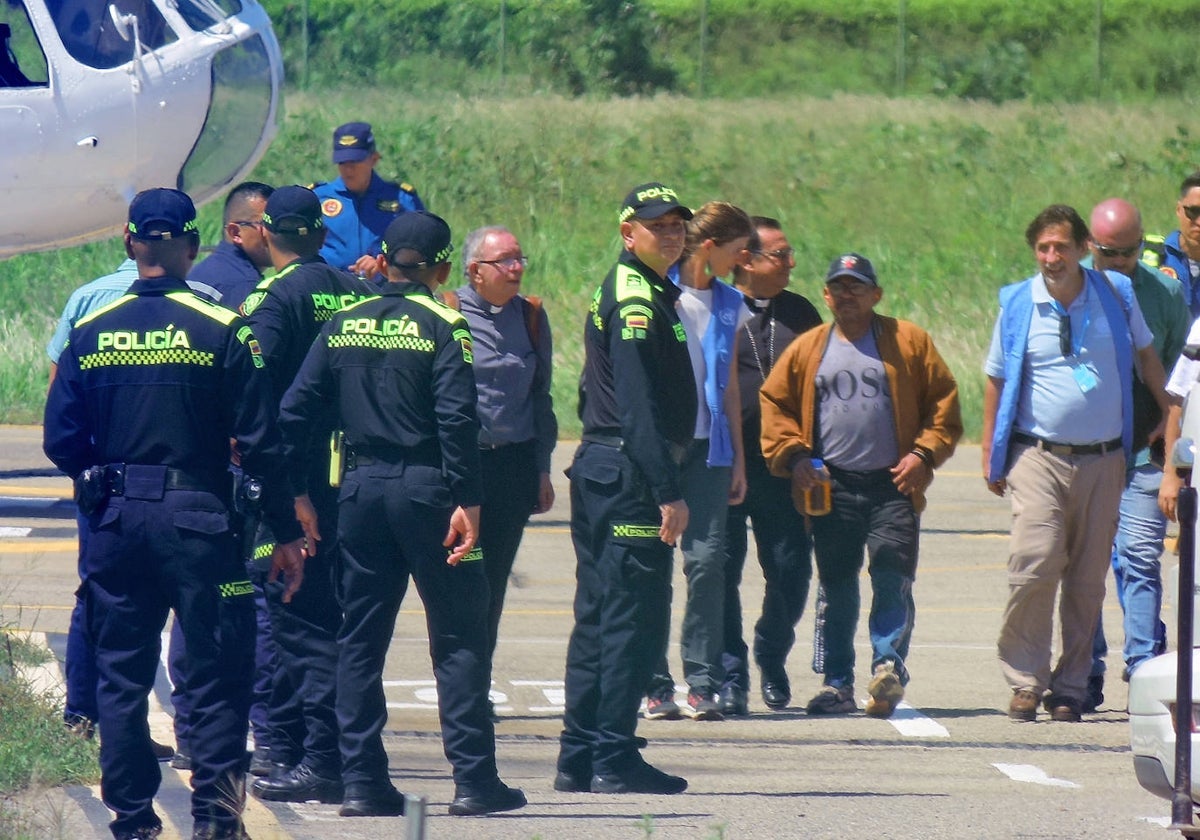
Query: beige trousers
[{"x": 1064, "y": 516}]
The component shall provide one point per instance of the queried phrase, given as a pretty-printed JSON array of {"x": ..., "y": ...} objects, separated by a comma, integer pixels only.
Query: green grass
[{"x": 936, "y": 192}]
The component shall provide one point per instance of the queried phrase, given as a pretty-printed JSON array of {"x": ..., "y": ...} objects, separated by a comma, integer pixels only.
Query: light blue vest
[{"x": 1016, "y": 302}]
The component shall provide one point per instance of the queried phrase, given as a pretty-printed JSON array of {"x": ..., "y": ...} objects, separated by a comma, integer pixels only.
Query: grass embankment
[{"x": 937, "y": 193}]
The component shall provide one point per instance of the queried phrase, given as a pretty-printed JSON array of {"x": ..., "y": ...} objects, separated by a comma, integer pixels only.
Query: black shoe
[
  {"x": 261, "y": 764},
  {"x": 564, "y": 782},
  {"x": 1095, "y": 693},
  {"x": 735, "y": 702},
  {"x": 500, "y": 797},
  {"x": 641, "y": 778},
  {"x": 776, "y": 692},
  {"x": 144, "y": 832},
  {"x": 491, "y": 707},
  {"x": 181, "y": 761},
  {"x": 161, "y": 751},
  {"x": 300, "y": 785},
  {"x": 372, "y": 802}
]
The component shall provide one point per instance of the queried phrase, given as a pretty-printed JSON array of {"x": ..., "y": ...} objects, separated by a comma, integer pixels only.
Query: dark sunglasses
[
  {"x": 1064, "y": 336},
  {"x": 1192, "y": 211},
  {"x": 1105, "y": 251}
]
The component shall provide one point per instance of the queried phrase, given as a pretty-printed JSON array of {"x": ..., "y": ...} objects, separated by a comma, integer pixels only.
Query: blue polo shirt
[{"x": 1052, "y": 404}]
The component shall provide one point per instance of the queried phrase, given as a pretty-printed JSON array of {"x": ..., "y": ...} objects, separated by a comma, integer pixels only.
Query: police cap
[
  {"x": 293, "y": 209},
  {"x": 353, "y": 142},
  {"x": 649, "y": 201},
  {"x": 425, "y": 233},
  {"x": 162, "y": 213}
]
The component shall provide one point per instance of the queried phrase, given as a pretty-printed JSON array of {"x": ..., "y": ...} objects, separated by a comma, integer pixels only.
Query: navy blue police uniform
[
  {"x": 287, "y": 311},
  {"x": 638, "y": 408},
  {"x": 784, "y": 548},
  {"x": 397, "y": 370},
  {"x": 149, "y": 391}
]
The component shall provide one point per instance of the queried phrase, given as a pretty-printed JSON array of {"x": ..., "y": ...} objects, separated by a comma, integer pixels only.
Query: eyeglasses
[
  {"x": 508, "y": 263},
  {"x": 1192, "y": 211},
  {"x": 854, "y": 287},
  {"x": 781, "y": 254},
  {"x": 1064, "y": 335},
  {"x": 247, "y": 223},
  {"x": 1105, "y": 251}
]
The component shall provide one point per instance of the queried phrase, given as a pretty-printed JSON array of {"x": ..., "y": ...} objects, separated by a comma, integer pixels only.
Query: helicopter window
[
  {"x": 93, "y": 37},
  {"x": 201, "y": 14},
  {"x": 22, "y": 62}
]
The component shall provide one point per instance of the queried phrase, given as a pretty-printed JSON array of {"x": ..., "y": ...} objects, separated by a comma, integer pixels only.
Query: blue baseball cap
[
  {"x": 425, "y": 233},
  {"x": 852, "y": 265},
  {"x": 353, "y": 142},
  {"x": 293, "y": 209},
  {"x": 161, "y": 213}
]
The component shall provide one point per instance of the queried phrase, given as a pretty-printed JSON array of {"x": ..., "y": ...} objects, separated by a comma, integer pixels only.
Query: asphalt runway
[{"x": 949, "y": 764}]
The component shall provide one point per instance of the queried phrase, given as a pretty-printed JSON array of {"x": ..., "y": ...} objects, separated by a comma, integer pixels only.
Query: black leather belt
[
  {"x": 363, "y": 456},
  {"x": 1064, "y": 450},
  {"x": 116, "y": 476}
]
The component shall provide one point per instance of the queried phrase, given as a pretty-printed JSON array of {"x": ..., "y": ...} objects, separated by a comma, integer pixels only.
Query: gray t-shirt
[{"x": 856, "y": 427}]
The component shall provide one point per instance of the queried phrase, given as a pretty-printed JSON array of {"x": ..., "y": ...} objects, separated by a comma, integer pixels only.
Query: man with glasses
[
  {"x": 1116, "y": 244},
  {"x": 778, "y": 316},
  {"x": 871, "y": 397},
  {"x": 513, "y": 366},
  {"x": 1058, "y": 431},
  {"x": 236, "y": 265},
  {"x": 1178, "y": 255}
]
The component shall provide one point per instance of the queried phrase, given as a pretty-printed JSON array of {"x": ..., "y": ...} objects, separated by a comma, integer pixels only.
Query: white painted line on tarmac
[
  {"x": 9, "y": 531},
  {"x": 912, "y": 724},
  {"x": 1161, "y": 822},
  {"x": 1033, "y": 775}
]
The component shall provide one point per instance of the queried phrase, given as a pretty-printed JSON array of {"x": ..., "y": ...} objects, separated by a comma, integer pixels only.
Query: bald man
[{"x": 1115, "y": 244}]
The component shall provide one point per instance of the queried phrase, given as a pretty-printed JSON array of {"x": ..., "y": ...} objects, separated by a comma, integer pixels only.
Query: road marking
[
  {"x": 1032, "y": 774},
  {"x": 8, "y": 531},
  {"x": 912, "y": 724},
  {"x": 30, "y": 546}
]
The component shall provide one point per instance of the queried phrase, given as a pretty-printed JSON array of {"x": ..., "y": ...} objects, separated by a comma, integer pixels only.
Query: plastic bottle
[{"x": 819, "y": 499}]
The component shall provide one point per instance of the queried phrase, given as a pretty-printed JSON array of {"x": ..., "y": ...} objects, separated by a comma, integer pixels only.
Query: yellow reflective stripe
[
  {"x": 204, "y": 307},
  {"x": 122, "y": 299},
  {"x": 450, "y": 316}
]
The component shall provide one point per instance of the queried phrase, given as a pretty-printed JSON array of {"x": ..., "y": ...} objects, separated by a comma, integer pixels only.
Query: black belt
[
  {"x": 1064, "y": 450},
  {"x": 677, "y": 451},
  {"x": 364, "y": 456},
  {"x": 117, "y": 475}
]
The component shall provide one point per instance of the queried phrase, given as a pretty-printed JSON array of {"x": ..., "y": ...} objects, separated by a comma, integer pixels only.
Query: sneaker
[
  {"x": 662, "y": 708},
  {"x": 704, "y": 707},
  {"x": 1095, "y": 693},
  {"x": 832, "y": 700},
  {"x": 885, "y": 691}
]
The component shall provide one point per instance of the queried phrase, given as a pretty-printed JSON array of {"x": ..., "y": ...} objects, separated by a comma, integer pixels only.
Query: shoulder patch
[
  {"x": 204, "y": 307},
  {"x": 407, "y": 187},
  {"x": 111, "y": 305},
  {"x": 450, "y": 316},
  {"x": 630, "y": 284}
]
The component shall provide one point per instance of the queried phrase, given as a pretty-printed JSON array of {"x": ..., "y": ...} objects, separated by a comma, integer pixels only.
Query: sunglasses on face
[
  {"x": 857, "y": 288},
  {"x": 1106, "y": 251},
  {"x": 1064, "y": 336},
  {"x": 781, "y": 254},
  {"x": 1192, "y": 211}
]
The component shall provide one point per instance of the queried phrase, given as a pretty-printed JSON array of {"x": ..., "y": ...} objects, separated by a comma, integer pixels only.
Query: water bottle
[{"x": 819, "y": 498}]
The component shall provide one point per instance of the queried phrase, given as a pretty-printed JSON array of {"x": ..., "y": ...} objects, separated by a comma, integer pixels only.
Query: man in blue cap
[{"x": 358, "y": 204}]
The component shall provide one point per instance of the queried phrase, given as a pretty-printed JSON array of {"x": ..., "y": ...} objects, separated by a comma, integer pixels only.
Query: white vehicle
[
  {"x": 100, "y": 99},
  {"x": 1152, "y": 688}
]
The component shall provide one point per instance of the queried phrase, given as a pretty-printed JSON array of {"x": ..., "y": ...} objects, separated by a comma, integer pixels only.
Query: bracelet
[{"x": 925, "y": 457}]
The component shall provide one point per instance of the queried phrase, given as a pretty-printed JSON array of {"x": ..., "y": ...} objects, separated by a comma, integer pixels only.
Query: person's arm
[
  {"x": 785, "y": 441},
  {"x": 1155, "y": 380},
  {"x": 545, "y": 424},
  {"x": 991, "y": 404}
]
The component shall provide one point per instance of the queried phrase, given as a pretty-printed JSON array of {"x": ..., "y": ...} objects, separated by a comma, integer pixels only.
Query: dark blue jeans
[{"x": 868, "y": 512}]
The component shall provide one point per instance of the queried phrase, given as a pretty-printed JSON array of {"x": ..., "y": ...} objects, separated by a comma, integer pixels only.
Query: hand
[
  {"x": 1168, "y": 493},
  {"x": 1158, "y": 431},
  {"x": 804, "y": 477},
  {"x": 365, "y": 266},
  {"x": 545, "y": 499},
  {"x": 306, "y": 515},
  {"x": 464, "y": 531},
  {"x": 911, "y": 475},
  {"x": 674, "y": 521},
  {"x": 737, "y": 483},
  {"x": 997, "y": 487},
  {"x": 288, "y": 559}
]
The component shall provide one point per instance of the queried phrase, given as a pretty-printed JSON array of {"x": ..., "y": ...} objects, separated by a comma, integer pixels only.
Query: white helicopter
[{"x": 102, "y": 98}]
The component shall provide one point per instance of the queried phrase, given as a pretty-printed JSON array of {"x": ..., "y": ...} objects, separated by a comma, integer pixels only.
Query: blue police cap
[
  {"x": 425, "y": 233},
  {"x": 161, "y": 213},
  {"x": 293, "y": 209},
  {"x": 353, "y": 142}
]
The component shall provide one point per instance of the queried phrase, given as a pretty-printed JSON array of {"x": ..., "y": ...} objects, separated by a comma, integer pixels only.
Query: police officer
[
  {"x": 286, "y": 312},
  {"x": 236, "y": 265},
  {"x": 397, "y": 369},
  {"x": 638, "y": 407},
  {"x": 149, "y": 392},
  {"x": 358, "y": 204}
]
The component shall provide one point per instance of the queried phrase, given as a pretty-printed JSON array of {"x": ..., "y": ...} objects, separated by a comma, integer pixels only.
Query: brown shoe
[
  {"x": 1024, "y": 705},
  {"x": 1064, "y": 709}
]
